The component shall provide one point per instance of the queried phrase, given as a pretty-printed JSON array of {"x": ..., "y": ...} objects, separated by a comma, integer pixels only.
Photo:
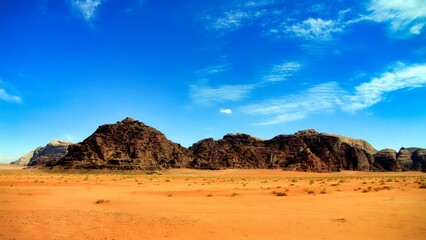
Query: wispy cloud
[
  {"x": 211, "y": 70},
  {"x": 329, "y": 97},
  {"x": 5, "y": 96},
  {"x": 87, "y": 8},
  {"x": 204, "y": 95},
  {"x": 323, "y": 97},
  {"x": 226, "y": 111},
  {"x": 282, "y": 71},
  {"x": 314, "y": 29},
  {"x": 403, "y": 16},
  {"x": 231, "y": 20},
  {"x": 370, "y": 93}
]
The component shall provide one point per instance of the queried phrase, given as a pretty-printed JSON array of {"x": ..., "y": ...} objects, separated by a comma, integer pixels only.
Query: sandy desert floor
[{"x": 228, "y": 204}]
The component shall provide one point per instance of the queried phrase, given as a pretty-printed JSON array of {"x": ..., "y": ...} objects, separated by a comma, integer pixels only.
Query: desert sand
[{"x": 225, "y": 204}]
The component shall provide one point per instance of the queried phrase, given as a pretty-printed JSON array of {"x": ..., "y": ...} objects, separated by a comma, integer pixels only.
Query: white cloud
[
  {"x": 226, "y": 111},
  {"x": 87, "y": 7},
  {"x": 211, "y": 70},
  {"x": 282, "y": 71},
  {"x": 323, "y": 97},
  {"x": 370, "y": 93},
  {"x": 208, "y": 95},
  {"x": 407, "y": 16},
  {"x": 329, "y": 97},
  {"x": 5, "y": 96},
  {"x": 231, "y": 20},
  {"x": 314, "y": 29}
]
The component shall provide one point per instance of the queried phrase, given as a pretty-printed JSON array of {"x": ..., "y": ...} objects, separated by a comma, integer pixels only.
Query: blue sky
[{"x": 197, "y": 69}]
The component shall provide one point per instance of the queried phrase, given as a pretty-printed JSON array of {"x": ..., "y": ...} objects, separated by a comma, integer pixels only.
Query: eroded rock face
[
  {"x": 303, "y": 151},
  {"x": 419, "y": 160},
  {"x": 48, "y": 154},
  {"x": 126, "y": 145},
  {"x": 412, "y": 159},
  {"x": 385, "y": 160}
]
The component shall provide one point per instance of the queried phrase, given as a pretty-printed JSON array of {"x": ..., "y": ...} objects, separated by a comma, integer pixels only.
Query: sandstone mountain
[
  {"x": 132, "y": 145},
  {"x": 126, "y": 145},
  {"x": 305, "y": 150},
  {"x": 50, "y": 153}
]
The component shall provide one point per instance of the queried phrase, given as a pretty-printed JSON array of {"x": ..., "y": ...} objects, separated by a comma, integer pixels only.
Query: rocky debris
[
  {"x": 385, "y": 160},
  {"x": 50, "y": 153},
  {"x": 126, "y": 145},
  {"x": 305, "y": 150}
]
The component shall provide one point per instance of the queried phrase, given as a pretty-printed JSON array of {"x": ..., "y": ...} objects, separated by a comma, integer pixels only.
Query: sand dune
[{"x": 229, "y": 204}]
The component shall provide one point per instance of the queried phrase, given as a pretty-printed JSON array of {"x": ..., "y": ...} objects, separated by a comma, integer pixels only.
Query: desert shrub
[
  {"x": 279, "y": 194},
  {"x": 100, "y": 201},
  {"x": 234, "y": 194}
]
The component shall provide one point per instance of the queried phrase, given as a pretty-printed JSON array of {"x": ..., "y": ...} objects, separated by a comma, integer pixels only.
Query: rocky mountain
[
  {"x": 50, "y": 153},
  {"x": 126, "y": 145},
  {"x": 305, "y": 150},
  {"x": 131, "y": 145},
  {"x": 413, "y": 159}
]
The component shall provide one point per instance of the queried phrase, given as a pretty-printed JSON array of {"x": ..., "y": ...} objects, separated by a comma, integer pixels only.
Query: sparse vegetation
[
  {"x": 279, "y": 194},
  {"x": 100, "y": 201}
]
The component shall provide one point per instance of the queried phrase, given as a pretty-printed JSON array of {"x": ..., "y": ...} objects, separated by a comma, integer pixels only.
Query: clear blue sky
[{"x": 197, "y": 69}]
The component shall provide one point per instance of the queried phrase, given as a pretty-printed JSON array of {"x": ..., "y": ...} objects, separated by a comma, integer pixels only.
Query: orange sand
[{"x": 229, "y": 204}]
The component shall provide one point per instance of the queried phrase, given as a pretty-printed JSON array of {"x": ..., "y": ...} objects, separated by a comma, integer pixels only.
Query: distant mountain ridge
[
  {"x": 50, "y": 153},
  {"x": 132, "y": 145}
]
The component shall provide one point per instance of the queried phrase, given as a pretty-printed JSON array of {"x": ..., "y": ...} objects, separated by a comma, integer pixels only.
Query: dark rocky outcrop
[
  {"x": 126, "y": 145},
  {"x": 412, "y": 159},
  {"x": 304, "y": 151},
  {"x": 132, "y": 145},
  {"x": 50, "y": 153},
  {"x": 385, "y": 160}
]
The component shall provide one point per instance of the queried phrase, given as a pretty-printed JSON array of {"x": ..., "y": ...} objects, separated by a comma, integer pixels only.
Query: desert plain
[{"x": 201, "y": 204}]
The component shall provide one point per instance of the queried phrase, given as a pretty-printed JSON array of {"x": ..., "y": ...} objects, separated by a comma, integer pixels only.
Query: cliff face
[
  {"x": 50, "y": 153},
  {"x": 128, "y": 144},
  {"x": 304, "y": 151}
]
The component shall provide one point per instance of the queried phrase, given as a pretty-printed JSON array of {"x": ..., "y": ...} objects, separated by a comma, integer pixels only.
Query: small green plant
[
  {"x": 324, "y": 191},
  {"x": 86, "y": 178}
]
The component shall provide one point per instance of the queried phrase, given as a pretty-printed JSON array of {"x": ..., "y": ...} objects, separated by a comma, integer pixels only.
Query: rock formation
[
  {"x": 50, "y": 153},
  {"x": 303, "y": 151},
  {"x": 132, "y": 145},
  {"x": 385, "y": 160},
  {"x": 412, "y": 159},
  {"x": 126, "y": 145},
  {"x": 25, "y": 160}
]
